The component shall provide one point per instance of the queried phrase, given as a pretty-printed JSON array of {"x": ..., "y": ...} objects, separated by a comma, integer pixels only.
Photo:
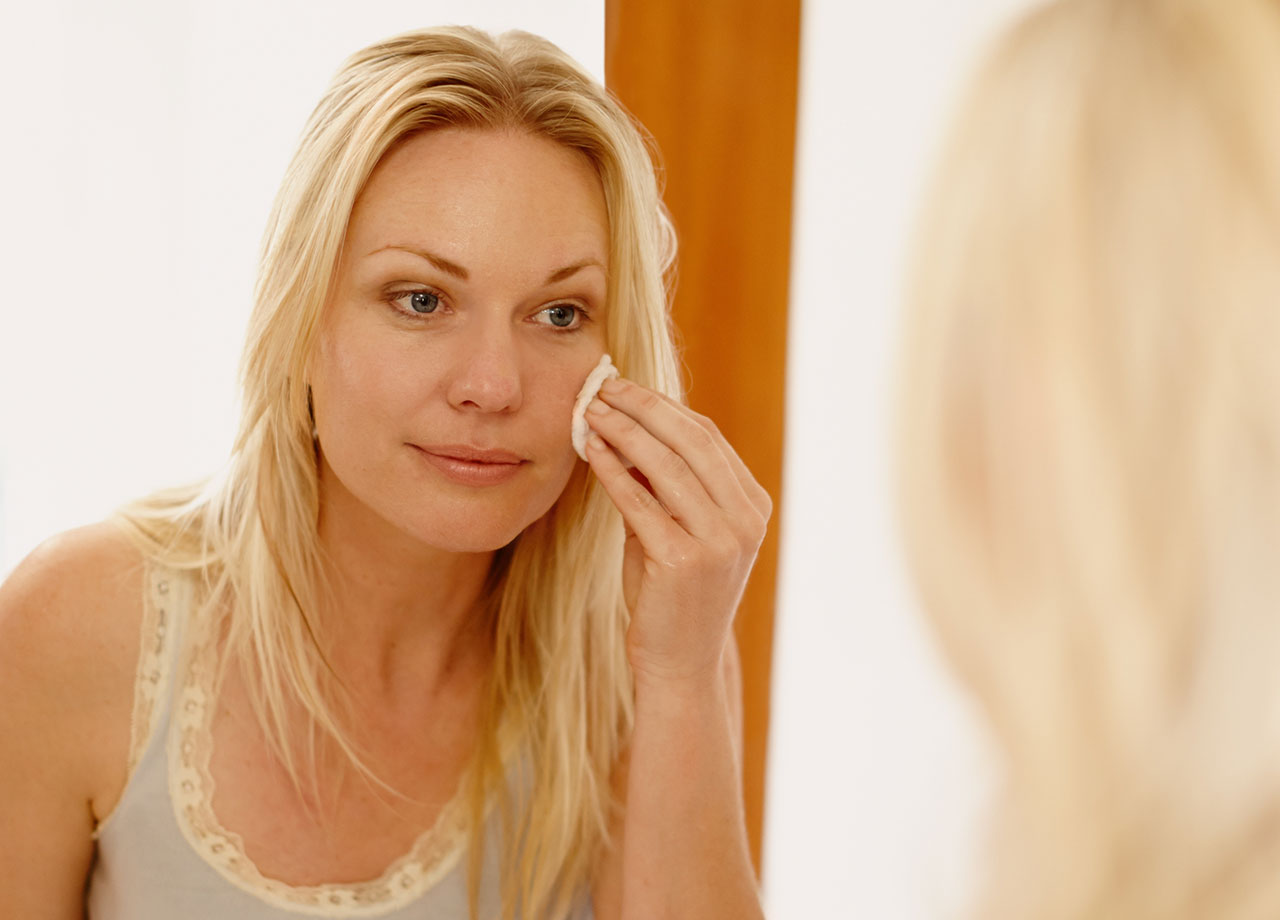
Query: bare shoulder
[
  {"x": 70, "y": 615},
  {"x": 75, "y": 604},
  {"x": 69, "y": 620},
  {"x": 83, "y": 555}
]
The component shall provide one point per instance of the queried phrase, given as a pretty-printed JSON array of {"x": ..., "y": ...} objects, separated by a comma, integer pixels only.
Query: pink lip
[{"x": 472, "y": 466}]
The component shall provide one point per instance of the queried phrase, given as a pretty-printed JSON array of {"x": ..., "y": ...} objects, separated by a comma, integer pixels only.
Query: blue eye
[
  {"x": 562, "y": 315},
  {"x": 423, "y": 301}
]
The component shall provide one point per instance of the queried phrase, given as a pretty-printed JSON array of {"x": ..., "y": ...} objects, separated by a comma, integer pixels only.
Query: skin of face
[{"x": 416, "y": 365}]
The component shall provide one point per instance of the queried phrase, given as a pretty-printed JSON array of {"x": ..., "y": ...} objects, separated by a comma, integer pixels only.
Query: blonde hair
[
  {"x": 1089, "y": 452},
  {"x": 560, "y": 686}
]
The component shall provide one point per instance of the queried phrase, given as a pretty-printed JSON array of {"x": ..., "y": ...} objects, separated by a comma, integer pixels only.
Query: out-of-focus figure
[{"x": 1089, "y": 453}]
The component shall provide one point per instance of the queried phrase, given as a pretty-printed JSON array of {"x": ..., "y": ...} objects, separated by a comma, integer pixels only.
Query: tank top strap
[
  {"x": 166, "y": 608},
  {"x": 166, "y": 602}
]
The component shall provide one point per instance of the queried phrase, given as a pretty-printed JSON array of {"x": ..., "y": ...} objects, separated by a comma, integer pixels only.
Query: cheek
[
  {"x": 355, "y": 385},
  {"x": 559, "y": 388}
]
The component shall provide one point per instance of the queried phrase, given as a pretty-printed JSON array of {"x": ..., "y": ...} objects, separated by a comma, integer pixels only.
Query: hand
[{"x": 693, "y": 526}]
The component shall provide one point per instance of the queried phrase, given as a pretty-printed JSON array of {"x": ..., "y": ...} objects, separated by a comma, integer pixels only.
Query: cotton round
[{"x": 595, "y": 380}]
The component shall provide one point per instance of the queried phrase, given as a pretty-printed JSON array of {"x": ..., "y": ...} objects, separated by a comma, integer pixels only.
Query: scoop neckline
[{"x": 434, "y": 853}]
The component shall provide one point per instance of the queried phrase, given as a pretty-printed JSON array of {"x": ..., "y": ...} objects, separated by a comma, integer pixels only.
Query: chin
[
  {"x": 466, "y": 540},
  {"x": 471, "y": 529}
]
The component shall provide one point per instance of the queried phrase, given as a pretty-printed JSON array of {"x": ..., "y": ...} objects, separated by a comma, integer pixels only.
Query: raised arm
[
  {"x": 67, "y": 653},
  {"x": 693, "y": 534}
]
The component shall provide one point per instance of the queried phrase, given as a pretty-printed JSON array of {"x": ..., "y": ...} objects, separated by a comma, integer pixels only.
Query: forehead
[{"x": 480, "y": 193}]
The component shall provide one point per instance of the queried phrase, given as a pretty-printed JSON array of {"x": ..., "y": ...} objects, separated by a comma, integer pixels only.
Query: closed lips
[
  {"x": 472, "y": 466},
  {"x": 471, "y": 454}
]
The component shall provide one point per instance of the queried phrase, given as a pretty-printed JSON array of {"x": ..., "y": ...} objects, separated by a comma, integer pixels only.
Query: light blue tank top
[{"x": 161, "y": 855}]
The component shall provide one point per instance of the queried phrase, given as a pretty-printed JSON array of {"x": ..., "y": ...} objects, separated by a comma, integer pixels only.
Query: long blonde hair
[
  {"x": 560, "y": 684},
  {"x": 1089, "y": 452}
]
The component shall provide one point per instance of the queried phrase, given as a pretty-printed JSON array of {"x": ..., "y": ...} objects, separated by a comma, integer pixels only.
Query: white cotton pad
[{"x": 595, "y": 380}]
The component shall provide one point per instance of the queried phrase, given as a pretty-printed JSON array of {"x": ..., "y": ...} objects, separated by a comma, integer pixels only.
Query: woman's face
[{"x": 467, "y": 310}]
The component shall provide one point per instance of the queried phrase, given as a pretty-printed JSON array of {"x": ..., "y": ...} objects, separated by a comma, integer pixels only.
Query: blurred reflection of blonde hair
[{"x": 1089, "y": 452}]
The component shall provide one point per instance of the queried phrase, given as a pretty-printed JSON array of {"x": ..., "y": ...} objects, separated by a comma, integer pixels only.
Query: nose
[{"x": 486, "y": 372}]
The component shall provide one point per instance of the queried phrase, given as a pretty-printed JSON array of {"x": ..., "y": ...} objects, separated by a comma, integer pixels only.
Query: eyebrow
[
  {"x": 449, "y": 268},
  {"x": 457, "y": 271}
]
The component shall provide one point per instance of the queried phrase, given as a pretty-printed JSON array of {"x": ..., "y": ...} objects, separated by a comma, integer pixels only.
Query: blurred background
[{"x": 144, "y": 144}]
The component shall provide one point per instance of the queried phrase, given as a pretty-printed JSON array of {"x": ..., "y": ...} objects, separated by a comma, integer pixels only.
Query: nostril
[{"x": 486, "y": 392}]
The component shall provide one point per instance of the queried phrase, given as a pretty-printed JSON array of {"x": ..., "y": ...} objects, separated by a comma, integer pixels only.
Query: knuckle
[
  {"x": 702, "y": 437},
  {"x": 724, "y": 549},
  {"x": 674, "y": 465},
  {"x": 641, "y": 497},
  {"x": 751, "y": 534}
]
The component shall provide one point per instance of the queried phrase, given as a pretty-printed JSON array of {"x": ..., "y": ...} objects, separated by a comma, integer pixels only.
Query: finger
[
  {"x": 756, "y": 493},
  {"x": 669, "y": 475},
  {"x": 759, "y": 497},
  {"x": 641, "y": 512},
  {"x": 698, "y": 441}
]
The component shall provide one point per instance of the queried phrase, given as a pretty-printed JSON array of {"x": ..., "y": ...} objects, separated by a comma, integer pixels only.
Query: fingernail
[
  {"x": 595, "y": 442},
  {"x": 596, "y": 407},
  {"x": 613, "y": 386}
]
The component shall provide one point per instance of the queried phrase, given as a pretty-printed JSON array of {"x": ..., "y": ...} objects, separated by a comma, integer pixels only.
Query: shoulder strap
[{"x": 163, "y": 602}]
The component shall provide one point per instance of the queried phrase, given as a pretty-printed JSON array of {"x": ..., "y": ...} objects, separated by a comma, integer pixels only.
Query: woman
[
  {"x": 407, "y": 622},
  {"x": 1089, "y": 442}
]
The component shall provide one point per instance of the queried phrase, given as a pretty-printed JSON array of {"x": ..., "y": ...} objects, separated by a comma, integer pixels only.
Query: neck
[{"x": 402, "y": 617}]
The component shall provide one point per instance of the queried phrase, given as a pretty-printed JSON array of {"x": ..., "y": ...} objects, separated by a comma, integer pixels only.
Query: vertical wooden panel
[{"x": 714, "y": 81}]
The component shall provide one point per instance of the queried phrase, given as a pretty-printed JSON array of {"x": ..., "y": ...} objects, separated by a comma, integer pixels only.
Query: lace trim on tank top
[
  {"x": 151, "y": 677},
  {"x": 152, "y": 674},
  {"x": 191, "y": 788}
]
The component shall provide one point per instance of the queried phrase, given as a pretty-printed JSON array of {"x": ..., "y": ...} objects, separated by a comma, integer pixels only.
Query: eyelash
[{"x": 394, "y": 298}]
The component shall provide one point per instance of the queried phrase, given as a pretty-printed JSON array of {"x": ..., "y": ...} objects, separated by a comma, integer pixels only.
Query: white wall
[
  {"x": 144, "y": 141},
  {"x": 875, "y": 773}
]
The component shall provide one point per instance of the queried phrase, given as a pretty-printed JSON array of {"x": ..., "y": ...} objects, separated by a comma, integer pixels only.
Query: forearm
[
  {"x": 684, "y": 848},
  {"x": 697, "y": 521}
]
